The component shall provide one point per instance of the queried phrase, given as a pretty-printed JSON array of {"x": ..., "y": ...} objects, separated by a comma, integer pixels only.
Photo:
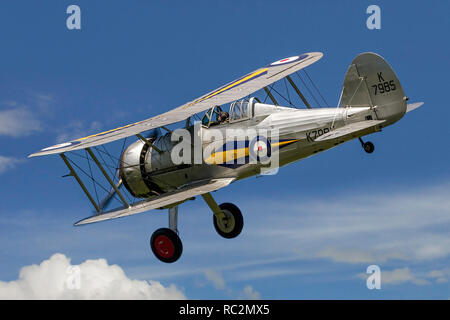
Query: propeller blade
[{"x": 110, "y": 196}]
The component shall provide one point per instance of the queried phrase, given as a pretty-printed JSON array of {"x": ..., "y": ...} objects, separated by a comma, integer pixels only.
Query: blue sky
[{"x": 311, "y": 230}]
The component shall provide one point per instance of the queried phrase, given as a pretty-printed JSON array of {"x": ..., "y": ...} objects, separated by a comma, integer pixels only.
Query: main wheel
[
  {"x": 233, "y": 222},
  {"x": 166, "y": 245},
  {"x": 368, "y": 147}
]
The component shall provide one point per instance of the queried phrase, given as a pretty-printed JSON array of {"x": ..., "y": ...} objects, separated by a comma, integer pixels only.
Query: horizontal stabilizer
[
  {"x": 186, "y": 192},
  {"x": 413, "y": 106},
  {"x": 348, "y": 129}
]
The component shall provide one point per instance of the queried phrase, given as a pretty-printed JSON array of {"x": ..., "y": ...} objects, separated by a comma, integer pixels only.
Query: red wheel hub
[{"x": 164, "y": 246}]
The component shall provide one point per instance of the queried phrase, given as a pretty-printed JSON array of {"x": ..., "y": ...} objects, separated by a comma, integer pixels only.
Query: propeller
[
  {"x": 107, "y": 200},
  {"x": 150, "y": 134}
]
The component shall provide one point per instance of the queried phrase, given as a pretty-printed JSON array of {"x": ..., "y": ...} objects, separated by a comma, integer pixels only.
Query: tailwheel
[
  {"x": 367, "y": 146},
  {"x": 166, "y": 245},
  {"x": 231, "y": 224}
]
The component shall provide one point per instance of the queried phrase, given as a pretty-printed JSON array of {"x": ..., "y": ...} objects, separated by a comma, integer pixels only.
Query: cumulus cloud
[
  {"x": 8, "y": 163},
  {"x": 18, "y": 122},
  {"x": 56, "y": 278}
]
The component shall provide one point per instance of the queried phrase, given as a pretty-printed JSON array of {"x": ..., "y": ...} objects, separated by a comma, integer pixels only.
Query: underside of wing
[
  {"x": 186, "y": 192},
  {"x": 232, "y": 91},
  {"x": 349, "y": 129}
]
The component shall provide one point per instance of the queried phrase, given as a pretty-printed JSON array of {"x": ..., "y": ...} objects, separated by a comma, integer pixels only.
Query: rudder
[{"x": 370, "y": 81}]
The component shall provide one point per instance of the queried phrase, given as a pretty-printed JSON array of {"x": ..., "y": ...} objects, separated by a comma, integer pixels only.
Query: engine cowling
[{"x": 137, "y": 163}]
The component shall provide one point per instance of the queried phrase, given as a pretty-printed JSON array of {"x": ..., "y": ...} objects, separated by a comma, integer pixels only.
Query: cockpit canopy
[
  {"x": 212, "y": 116},
  {"x": 239, "y": 110}
]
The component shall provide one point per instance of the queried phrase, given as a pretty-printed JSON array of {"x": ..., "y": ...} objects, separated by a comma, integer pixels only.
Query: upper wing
[
  {"x": 348, "y": 129},
  {"x": 234, "y": 90},
  {"x": 191, "y": 190}
]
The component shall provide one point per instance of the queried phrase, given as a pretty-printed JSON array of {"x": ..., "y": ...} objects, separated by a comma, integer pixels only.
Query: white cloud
[
  {"x": 8, "y": 163},
  {"x": 216, "y": 278},
  {"x": 398, "y": 276},
  {"x": 440, "y": 276},
  {"x": 56, "y": 278},
  {"x": 358, "y": 228},
  {"x": 18, "y": 122},
  {"x": 250, "y": 293},
  {"x": 43, "y": 101}
]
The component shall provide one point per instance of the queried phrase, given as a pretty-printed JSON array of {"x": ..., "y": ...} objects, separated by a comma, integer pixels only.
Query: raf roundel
[{"x": 288, "y": 60}]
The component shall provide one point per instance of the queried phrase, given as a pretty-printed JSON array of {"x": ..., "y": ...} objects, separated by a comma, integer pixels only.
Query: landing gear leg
[
  {"x": 165, "y": 242},
  {"x": 228, "y": 220},
  {"x": 367, "y": 146},
  {"x": 173, "y": 219}
]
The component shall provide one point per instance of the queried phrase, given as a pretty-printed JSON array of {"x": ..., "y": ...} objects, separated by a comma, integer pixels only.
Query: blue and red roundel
[{"x": 288, "y": 60}]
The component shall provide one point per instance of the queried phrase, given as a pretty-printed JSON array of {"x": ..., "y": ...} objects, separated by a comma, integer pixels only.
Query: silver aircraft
[{"x": 232, "y": 142}]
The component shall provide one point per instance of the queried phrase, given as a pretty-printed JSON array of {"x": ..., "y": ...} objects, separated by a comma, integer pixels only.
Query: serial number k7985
[{"x": 313, "y": 134}]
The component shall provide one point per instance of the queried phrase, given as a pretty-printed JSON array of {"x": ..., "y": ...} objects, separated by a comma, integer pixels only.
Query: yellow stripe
[
  {"x": 284, "y": 142},
  {"x": 231, "y": 155},
  {"x": 112, "y": 130},
  {"x": 254, "y": 74},
  {"x": 225, "y": 156}
]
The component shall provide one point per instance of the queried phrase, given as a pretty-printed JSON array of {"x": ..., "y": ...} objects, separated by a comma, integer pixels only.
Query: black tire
[
  {"x": 368, "y": 147},
  {"x": 232, "y": 227},
  {"x": 166, "y": 245}
]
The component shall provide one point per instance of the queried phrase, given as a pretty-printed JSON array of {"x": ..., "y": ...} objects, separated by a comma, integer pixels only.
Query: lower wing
[{"x": 166, "y": 199}]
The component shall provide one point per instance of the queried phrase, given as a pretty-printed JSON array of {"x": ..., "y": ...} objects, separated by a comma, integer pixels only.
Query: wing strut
[
  {"x": 300, "y": 94},
  {"x": 107, "y": 177},
  {"x": 271, "y": 96},
  {"x": 213, "y": 205},
  {"x": 74, "y": 174},
  {"x": 146, "y": 141}
]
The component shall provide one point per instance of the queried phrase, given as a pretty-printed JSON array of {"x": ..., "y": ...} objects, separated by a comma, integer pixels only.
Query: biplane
[{"x": 219, "y": 150}]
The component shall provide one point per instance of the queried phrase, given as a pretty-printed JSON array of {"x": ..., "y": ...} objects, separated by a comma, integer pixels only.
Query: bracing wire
[
  {"x": 315, "y": 87},
  {"x": 283, "y": 97},
  {"x": 307, "y": 88},
  {"x": 337, "y": 107},
  {"x": 113, "y": 174},
  {"x": 287, "y": 91},
  {"x": 93, "y": 181}
]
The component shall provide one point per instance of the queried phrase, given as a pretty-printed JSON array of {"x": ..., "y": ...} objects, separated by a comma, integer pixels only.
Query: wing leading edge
[
  {"x": 232, "y": 91},
  {"x": 191, "y": 190}
]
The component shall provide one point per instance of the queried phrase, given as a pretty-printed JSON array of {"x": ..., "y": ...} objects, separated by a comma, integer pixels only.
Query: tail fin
[{"x": 370, "y": 81}]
